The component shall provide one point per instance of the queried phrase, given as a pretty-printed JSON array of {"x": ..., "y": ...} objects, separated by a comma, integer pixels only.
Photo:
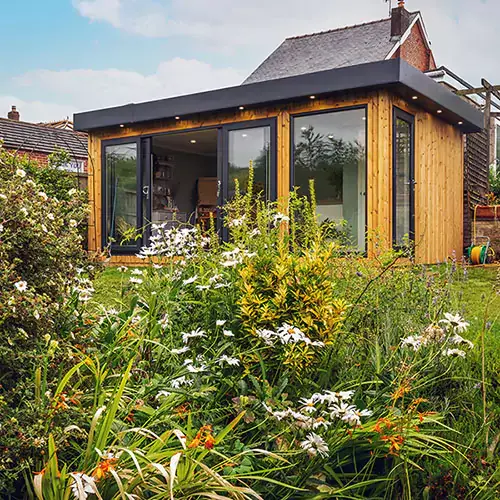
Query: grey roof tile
[
  {"x": 347, "y": 46},
  {"x": 41, "y": 138}
]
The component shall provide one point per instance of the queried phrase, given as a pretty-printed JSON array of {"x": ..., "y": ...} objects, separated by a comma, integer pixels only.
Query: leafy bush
[
  {"x": 276, "y": 365},
  {"x": 40, "y": 254}
]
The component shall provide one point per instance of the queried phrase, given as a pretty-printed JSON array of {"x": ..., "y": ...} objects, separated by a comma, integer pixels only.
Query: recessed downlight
[
  {"x": 177, "y": 117},
  {"x": 193, "y": 141},
  {"x": 439, "y": 111},
  {"x": 244, "y": 135},
  {"x": 241, "y": 108},
  {"x": 460, "y": 123},
  {"x": 121, "y": 125},
  {"x": 312, "y": 97},
  {"x": 415, "y": 97}
]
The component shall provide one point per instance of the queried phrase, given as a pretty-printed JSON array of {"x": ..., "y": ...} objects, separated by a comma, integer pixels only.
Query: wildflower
[
  {"x": 73, "y": 223},
  {"x": 236, "y": 222},
  {"x": 254, "y": 232},
  {"x": 24, "y": 211},
  {"x": 455, "y": 321},
  {"x": 180, "y": 381},
  {"x": 50, "y": 216},
  {"x": 458, "y": 340},
  {"x": 453, "y": 352},
  {"x": 182, "y": 350},
  {"x": 104, "y": 467},
  {"x": 36, "y": 314},
  {"x": 353, "y": 416},
  {"x": 203, "y": 437},
  {"x": 309, "y": 405},
  {"x": 412, "y": 341},
  {"x": 190, "y": 280},
  {"x": 136, "y": 281},
  {"x": 122, "y": 269},
  {"x": 230, "y": 361},
  {"x": 202, "y": 287},
  {"x": 314, "y": 444},
  {"x": 165, "y": 321},
  {"x": 20, "y": 173},
  {"x": 289, "y": 334},
  {"x": 82, "y": 485},
  {"x": 228, "y": 333},
  {"x": 43, "y": 195},
  {"x": 279, "y": 218},
  {"x": 72, "y": 192},
  {"x": 157, "y": 266},
  {"x": 195, "y": 369},
  {"x": 137, "y": 272},
  {"x": 221, "y": 322},
  {"x": 21, "y": 286},
  {"x": 193, "y": 334}
]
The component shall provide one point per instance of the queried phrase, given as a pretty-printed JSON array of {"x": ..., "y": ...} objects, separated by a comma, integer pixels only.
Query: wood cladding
[{"x": 438, "y": 169}]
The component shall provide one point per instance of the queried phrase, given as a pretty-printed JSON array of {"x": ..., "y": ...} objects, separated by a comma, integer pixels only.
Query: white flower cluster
[
  {"x": 173, "y": 242},
  {"x": 322, "y": 409},
  {"x": 83, "y": 288},
  {"x": 287, "y": 334},
  {"x": 448, "y": 335},
  {"x": 234, "y": 257}
]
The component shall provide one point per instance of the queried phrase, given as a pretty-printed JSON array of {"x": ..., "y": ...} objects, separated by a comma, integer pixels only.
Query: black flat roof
[{"x": 396, "y": 74}]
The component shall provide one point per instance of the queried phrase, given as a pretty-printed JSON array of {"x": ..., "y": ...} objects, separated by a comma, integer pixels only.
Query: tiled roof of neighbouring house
[
  {"x": 336, "y": 48},
  {"x": 41, "y": 138}
]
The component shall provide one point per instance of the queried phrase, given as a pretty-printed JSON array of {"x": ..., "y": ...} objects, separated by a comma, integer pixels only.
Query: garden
[{"x": 276, "y": 365}]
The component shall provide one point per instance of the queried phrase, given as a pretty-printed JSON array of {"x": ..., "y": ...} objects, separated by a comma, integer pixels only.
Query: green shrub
[{"x": 40, "y": 257}]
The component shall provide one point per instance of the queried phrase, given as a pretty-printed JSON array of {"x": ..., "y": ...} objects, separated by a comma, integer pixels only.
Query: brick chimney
[
  {"x": 13, "y": 114},
  {"x": 400, "y": 20}
]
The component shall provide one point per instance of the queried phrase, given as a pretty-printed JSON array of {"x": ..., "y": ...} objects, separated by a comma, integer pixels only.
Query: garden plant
[{"x": 276, "y": 365}]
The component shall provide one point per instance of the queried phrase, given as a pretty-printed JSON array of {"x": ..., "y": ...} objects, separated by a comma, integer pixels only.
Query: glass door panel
[
  {"x": 122, "y": 217},
  {"x": 403, "y": 178}
]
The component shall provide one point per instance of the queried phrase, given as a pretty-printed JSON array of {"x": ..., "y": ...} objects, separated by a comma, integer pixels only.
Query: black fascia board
[{"x": 378, "y": 74}]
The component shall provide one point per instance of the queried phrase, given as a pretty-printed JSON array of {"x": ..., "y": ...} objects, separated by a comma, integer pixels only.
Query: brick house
[{"x": 39, "y": 140}]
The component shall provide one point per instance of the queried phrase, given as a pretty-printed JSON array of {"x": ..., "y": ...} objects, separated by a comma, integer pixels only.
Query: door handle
[{"x": 145, "y": 192}]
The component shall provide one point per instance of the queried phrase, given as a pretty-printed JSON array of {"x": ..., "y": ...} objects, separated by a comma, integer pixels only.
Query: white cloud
[
  {"x": 85, "y": 89},
  {"x": 35, "y": 111},
  {"x": 456, "y": 27}
]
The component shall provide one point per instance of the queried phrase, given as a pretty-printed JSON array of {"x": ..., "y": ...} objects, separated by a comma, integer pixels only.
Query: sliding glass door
[
  {"x": 403, "y": 179},
  {"x": 125, "y": 193}
]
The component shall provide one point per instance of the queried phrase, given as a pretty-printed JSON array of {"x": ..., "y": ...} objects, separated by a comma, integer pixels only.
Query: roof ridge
[
  {"x": 339, "y": 29},
  {"x": 37, "y": 125}
]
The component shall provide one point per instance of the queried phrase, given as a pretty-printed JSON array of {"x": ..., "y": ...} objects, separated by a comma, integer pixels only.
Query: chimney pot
[
  {"x": 14, "y": 114},
  {"x": 400, "y": 21}
]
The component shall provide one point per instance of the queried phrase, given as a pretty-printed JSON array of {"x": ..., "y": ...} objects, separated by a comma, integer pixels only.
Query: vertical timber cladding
[
  {"x": 439, "y": 176},
  {"x": 438, "y": 167}
]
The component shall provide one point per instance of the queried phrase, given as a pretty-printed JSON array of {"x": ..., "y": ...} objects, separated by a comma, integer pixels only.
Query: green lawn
[{"x": 470, "y": 295}]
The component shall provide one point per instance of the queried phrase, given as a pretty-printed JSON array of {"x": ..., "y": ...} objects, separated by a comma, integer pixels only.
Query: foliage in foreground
[{"x": 272, "y": 366}]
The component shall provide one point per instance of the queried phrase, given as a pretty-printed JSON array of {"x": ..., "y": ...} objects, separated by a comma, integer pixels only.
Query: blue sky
[{"x": 62, "y": 56}]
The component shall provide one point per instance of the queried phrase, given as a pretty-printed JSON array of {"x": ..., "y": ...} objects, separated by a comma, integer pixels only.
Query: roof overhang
[{"x": 396, "y": 74}]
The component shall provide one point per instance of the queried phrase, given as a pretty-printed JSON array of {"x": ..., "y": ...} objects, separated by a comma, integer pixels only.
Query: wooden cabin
[{"x": 383, "y": 142}]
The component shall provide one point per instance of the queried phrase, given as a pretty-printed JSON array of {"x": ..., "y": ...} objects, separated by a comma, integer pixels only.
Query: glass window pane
[
  {"x": 245, "y": 146},
  {"x": 330, "y": 148},
  {"x": 402, "y": 181},
  {"x": 121, "y": 192}
]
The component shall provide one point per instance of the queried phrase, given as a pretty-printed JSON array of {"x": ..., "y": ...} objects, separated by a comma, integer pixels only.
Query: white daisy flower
[
  {"x": 20, "y": 173},
  {"x": 193, "y": 334},
  {"x": 83, "y": 486},
  {"x": 137, "y": 272},
  {"x": 190, "y": 280},
  {"x": 136, "y": 281},
  {"x": 122, "y": 269},
  {"x": 181, "y": 350},
  {"x": 455, "y": 321},
  {"x": 51, "y": 217},
  {"x": 43, "y": 195},
  {"x": 21, "y": 286},
  {"x": 228, "y": 333},
  {"x": 221, "y": 322},
  {"x": 164, "y": 394},
  {"x": 314, "y": 445},
  {"x": 413, "y": 341},
  {"x": 454, "y": 353},
  {"x": 73, "y": 223},
  {"x": 230, "y": 361}
]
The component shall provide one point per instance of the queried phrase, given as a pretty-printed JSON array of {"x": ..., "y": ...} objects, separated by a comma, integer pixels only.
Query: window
[
  {"x": 403, "y": 178},
  {"x": 330, "y": 148},
  {"x": 121, "y": 192},
  {"x": 250, "y": 146}
]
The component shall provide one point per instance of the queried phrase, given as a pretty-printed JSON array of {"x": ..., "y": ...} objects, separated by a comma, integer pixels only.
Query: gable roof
[
  {"x": 348, "y": 46},
  {"x": 40, "y": 138}
]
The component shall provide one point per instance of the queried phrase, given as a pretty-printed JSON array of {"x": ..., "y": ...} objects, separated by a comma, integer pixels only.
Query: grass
[{"x": 108, "y": 286}]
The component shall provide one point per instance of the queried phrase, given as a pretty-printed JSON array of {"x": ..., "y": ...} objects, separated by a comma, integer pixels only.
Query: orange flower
[
  {"x": 382, "y": 422},
  {"x": 104, "y": 467},
  {"x": 395, "y": 443},
  {"x": 203, "y": 437},
  {"x": 401, "y": 391}
]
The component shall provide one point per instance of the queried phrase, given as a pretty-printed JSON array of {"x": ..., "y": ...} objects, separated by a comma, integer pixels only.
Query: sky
[{"x": 63, "y": 56}]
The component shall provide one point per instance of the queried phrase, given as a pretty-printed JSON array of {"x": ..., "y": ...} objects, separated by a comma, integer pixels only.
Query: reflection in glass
[
  {"x": 402, "y": 182},
  {"x": 245, "y": 146},
  {"x": 330, "y": 148},
  {"x": 121, "y": 192}
]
